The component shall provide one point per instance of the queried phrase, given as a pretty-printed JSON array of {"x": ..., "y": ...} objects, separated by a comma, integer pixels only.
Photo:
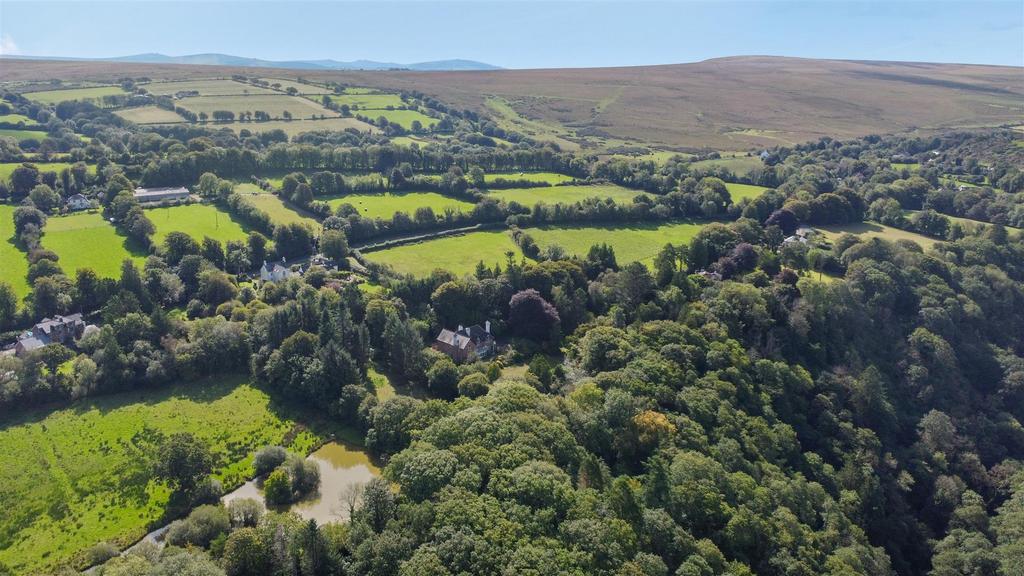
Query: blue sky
[{"x": 523, "y": 33}]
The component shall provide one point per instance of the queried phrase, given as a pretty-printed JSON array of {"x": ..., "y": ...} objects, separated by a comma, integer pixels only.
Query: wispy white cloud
[{"x": 7, "y": 45}]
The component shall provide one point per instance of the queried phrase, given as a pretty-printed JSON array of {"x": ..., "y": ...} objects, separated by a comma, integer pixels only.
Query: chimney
[
  {"x": 460, "y": 328},
  {"x": 284, "y": 260},
  {"x": 487, "y": 326}
]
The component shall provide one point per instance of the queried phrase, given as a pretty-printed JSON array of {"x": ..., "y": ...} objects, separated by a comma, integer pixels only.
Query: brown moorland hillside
[{"x": 728, "y": 103}]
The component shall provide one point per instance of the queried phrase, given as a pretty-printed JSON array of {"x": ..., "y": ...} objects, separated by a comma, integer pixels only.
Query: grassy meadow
[
  {"x": 739, "y": 165},
  {"x": 285, "y": 84},
  {"x": 81, "y": 475},
  {"x": 7, "y": 168},
  {"x": 86, "y": 240},
  {"x": 403, "y": 118},
  {"x": 632, "y": 243},
  {"x": 295, "y": 127},
  {"x": 212, "y": 87},
  {"x": 196, "y": 220},
  {"x": 549, "y": 177},
  {"x": 457, "y": 254},
  {"x": 866, "y": 230},
  {"x": 95, "y": 93},
  {"x": 22, "y": 135},
  {"x": 17, "y": 119},
  {"x": 565, "y": 194},
  {"x": 385, "y": 205},
  {"x": 275, "y": 104},
  {"x": 13, "y": 261},
  {"x": 279, "y": 212},
  {"x": 740, "y": 191},
  {"x": 368, "y": 101},
  {"x": 149, "y": 115}
]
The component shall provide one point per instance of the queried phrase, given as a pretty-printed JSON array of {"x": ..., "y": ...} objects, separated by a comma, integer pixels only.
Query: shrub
[
  {"x": 100, "y": 553},
  {"x": 268, "y": 458},
  {"x": 277, "y": 489},
  {"x": 473, "y": 385},
  {"x": 200, "y": 528}
]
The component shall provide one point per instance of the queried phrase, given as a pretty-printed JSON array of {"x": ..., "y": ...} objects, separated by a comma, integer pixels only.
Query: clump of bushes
[{"x": 289, "y": 477}]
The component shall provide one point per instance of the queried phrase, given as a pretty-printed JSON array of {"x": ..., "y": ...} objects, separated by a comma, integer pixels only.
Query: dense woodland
[{"x": 744, "y": 406}]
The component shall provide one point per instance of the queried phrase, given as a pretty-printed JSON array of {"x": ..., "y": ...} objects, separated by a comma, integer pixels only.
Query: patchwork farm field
[
  {"x": 739, "y": 165},
  {"x": 22, "y": 135},
  {"x": 295, "y": 127},
  {"x": 565, "y": 194},
  {"x": 284, "y": 84},
  {"x": 211, "y": 87},
  {"x": 457, "y": 254},
  {"x": 7, "y": 168},
  {"x": 149, "y": 115},
  {"x": 196, "y": 220},
  {"x": 88, "y": 241},
  {"x": 13, "y": 262},
  {"x": 549, "y": 177},
  {"x": 368, "y": 101},
  {"x": 278, "y": 211},
  {"x": 632, "y": 243},
  {"x": 17, "y": 119},
  {"x": 81, "y": 475},
  {"x": 386, "y": 204},
  {"x": 95, "y": 93},
  {"x": 866, "y": 230},
  {"x": 275, "y": 104},
  {"x": 741, "y": 191}
]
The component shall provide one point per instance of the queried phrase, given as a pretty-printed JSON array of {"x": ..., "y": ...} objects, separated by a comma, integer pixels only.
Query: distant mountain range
[{"x": 240, "y": 61}]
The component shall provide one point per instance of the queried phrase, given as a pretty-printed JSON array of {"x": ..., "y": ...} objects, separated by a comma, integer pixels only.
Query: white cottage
[
  {"x": 79, "y": 202},
  {"x": 274, "y": 272}
]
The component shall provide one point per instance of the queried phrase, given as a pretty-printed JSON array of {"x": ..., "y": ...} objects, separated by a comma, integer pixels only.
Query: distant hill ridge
[{"x": 213, "y": 59}]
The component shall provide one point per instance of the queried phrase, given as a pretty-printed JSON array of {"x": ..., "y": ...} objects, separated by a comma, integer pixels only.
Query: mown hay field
[
  {"x": 279, "y": 212},
  {"x": 211, "y": 87},
  {"x": 275, "y": 105},
  {"x": 866, "y": 230},
  {"x": 149, "y": 115},
  {"x": 385, "y": 205},
  {"x": 284, "y": 84},
  {"x": 294, "y": 127},
  {"x": 82, "y": 475},
  {"x": 457, "y": 254},
  {"x": 86, "y": 240},
  {"x": 368, "y": 101}
]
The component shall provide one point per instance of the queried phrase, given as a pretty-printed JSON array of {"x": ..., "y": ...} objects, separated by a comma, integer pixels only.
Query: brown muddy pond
[{"x": 341, "y": 466}]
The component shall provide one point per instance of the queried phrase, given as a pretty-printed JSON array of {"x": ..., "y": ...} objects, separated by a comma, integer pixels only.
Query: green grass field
[
  {"x": 565, "y": 194},
  {"x": 911, "y": 167},
  {"x": 278, "y": 211},
  {"x": 22, "y": 135},
  {"x": 295, "y": 127},
  {"x": 457, "y": 254},
  {"x": 632, "y": 243},
  {"x": 213, "y": 87},
  {"x": 86, "y": 240},
  {"x": 741, "y": 191},
  {"x": 739, "y": 165},
  {"x": 196, "y": 220},
  {"x": 867, "y": 230},
  {"x": 79, "y": 475},
  {"x": 54, "y": 96},
  {"x": 149, "y": 115},
  {"x": 386, "y": 204},
  {"x": 549, "y": 177},
  {"x": 275, "y": 104},
  {"x": 13, "y": 261},
  {"x": 17, "y": 119},
  {"x": 7, "y": 168},
  {"x": 368, "y": 101}
]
